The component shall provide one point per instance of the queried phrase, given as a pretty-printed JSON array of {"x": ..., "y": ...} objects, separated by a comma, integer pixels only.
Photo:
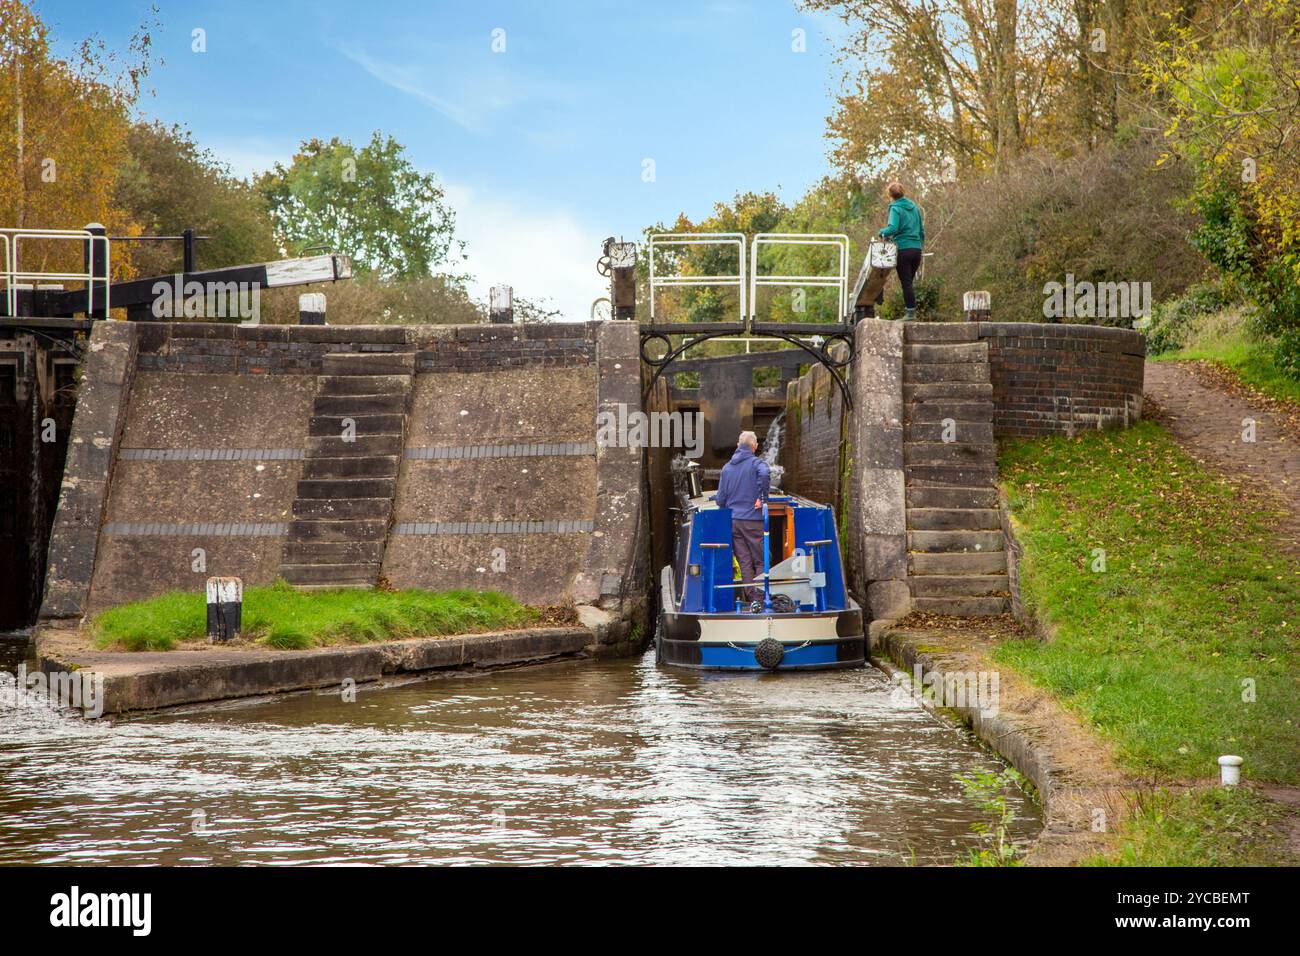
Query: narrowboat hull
[{"x": 762, "y": 642}]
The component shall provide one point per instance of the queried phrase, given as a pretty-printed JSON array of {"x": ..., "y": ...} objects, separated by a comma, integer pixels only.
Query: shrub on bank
[
  {"x": 1175, "y": 322},
  {"x": 1107, "y": 215},
  {"x": 280, "y": 617},
  {"x": 1195, "y": 328}
]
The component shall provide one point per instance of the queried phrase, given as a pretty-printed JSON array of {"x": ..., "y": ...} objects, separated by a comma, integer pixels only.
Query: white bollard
[{"x": 1230, "y": 770}]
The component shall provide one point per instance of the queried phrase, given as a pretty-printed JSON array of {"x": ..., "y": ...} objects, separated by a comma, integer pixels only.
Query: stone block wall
[{"x": 195, "y": 435}]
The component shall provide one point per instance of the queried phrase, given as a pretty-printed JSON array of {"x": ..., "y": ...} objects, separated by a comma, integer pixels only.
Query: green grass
[
  {"x": 1196, "y": 607},
  {"x": 281, "y": 617},
  {"x": 1215, "y": 826},
  {"x": 1229, "y": 343}
]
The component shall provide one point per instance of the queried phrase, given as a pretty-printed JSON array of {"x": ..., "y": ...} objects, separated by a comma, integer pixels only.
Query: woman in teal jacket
[{"x": 908, "y": 232}]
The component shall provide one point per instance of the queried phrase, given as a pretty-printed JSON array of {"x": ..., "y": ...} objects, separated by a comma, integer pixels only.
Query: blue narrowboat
[{"x": 804, "y": 619}]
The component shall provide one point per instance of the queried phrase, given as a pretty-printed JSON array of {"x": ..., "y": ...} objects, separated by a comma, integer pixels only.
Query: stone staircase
[
  {"x": 956, "y": 561},
  {"x": 345, "y": 497}
]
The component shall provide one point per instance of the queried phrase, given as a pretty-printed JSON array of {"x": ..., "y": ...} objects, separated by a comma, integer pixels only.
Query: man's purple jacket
[{"x": 745, "y": 479}]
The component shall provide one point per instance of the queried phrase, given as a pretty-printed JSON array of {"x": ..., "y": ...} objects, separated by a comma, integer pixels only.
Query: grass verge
[
  {"x": 281, "y": 617},
  {"x": 1175, "y": 617},
  {"x": 1203, "y": 827}
]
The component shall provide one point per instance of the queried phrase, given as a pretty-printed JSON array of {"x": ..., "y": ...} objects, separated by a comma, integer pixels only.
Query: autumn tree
[
  {"x": 168, "y": 184},
  {"x": 944, "y": 86},
  {"x": 1229, "y": 80},
  {"x": 63, "y": 128}
]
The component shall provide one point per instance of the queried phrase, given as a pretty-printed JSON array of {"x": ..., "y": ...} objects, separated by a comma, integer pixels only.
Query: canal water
[{"x": 611, "y": 762}]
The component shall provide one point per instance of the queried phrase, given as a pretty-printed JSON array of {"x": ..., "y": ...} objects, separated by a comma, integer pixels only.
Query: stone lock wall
[
  {"x": 1041, "y": 379},
  {"x": 187, "y": 459}
]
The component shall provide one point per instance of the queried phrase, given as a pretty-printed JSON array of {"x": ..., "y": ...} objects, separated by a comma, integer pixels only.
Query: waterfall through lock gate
[{"x": 771, "y": 448}]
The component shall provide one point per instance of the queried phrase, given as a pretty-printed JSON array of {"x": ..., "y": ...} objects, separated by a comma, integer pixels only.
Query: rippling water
[{"x": 595, "y": 762}]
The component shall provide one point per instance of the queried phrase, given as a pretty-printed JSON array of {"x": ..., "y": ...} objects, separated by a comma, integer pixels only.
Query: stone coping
[{"x": 145, "y": 681}]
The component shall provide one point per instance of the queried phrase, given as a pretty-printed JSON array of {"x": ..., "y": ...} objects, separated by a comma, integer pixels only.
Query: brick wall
[
  {"x": 1051, "y": 378},
  {"x": 814, "y": 412}
]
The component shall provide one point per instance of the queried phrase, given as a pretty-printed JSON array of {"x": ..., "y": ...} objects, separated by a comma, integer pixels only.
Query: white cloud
[{"x": 542, "y": 253}]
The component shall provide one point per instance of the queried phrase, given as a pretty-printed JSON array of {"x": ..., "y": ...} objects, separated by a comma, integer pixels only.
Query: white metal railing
[
  {"x": 737, "y": 281},
  {"x": 13, "y": 276},
  {"x": 838, "y": 281}
]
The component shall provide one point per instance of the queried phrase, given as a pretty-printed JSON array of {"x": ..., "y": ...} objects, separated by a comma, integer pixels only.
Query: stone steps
[
  {"x": 377, "y": 404},
  {"x": 954, "y": 541},
  {"x": 950, "y": 496},
  {"x": 956, "y": 474},
  {"x": 345, "y": 508},
  {"x": 963, "y": 606},
  {"x": 953, "y": 519},
  {"x": 334, "y": 385},
  {"x": 947, "y": 391},
  {"x": 375, "y": 466},
  {"x": 344, "y": 502},
  {"x": 336, "y": 488},
  {"x": 947, "y": 454},
  {"x": 324, "y": 426},
  {"x": 946, "y": 353},
  {"x": 947, "y": 563},
  {"x": 931, "y": 332},
  {"x": 333, "y": 552},
  {"x": 368, "y": 363},
  {"x": 361, "y": 446},
  {"x": 337, "y": 529},
  {"x": 945, "y": 373},
  {"x": 950, "y": 432},
  {"x": 936, "y": 410},
  {"x": 960, "y": 585},
  {"x": 956, "y": 559},
  {"x": 331, "y": 575}
]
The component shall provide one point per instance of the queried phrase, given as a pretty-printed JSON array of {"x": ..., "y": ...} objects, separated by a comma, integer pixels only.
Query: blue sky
[{"x": 541, "y": 147}]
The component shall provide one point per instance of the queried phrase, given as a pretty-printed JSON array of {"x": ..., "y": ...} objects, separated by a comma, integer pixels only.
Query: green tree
[
  {"x": 169, "y": 184},
  {"x": 370, "y": 203}
]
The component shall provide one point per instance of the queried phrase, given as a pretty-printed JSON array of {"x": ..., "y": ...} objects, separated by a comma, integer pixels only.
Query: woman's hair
[{"x": 896, "y": 190}]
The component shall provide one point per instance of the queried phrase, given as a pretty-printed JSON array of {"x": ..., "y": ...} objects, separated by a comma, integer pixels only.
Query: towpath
[{"x": 1209, "y": 413}]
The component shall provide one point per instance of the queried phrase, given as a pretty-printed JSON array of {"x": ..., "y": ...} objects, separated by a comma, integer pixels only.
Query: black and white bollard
[
  {"x": 225, "y": 608},
  {"x": 311, "y": 308}
]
